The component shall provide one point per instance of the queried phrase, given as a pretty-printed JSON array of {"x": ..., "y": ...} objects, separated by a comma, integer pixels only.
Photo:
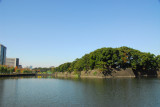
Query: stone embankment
[
  {"x": 16, "y": 75},
  {"x": 114, "y": 73},
  {"x": 158, "y": 73},
  {"x": 66, "y": 74},
  {"x": 98, "y": 74}
]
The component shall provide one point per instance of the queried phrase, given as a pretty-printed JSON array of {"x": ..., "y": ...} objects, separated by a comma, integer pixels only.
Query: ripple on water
[{"x": 80, "y": 92}]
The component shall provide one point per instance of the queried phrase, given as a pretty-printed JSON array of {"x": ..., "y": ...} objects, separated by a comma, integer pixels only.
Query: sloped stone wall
[{"x": 128, "y": 72}]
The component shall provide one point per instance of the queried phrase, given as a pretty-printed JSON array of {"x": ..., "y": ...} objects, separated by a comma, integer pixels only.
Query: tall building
[
  {"x": 2, "y": 54},
  {"x": 12, "y": 62}
]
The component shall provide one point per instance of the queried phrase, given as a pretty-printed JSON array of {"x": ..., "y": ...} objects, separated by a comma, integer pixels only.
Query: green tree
[
  {"x": 105, "y": 59},
  {"x": 10, "y": 70},
  {"x": 148, "y": 61},
  {"x": 158, "y": 61},
  {"x": 1, "y": 69},
  {"x": 18, "y": 70}
]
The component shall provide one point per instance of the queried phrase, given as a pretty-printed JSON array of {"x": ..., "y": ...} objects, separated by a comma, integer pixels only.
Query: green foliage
[
  {"x": 95, "y": 73},
  {"x": 52, "y": 70},
  {"x": 18, "y": 71},
  {"x": 27, "y": 71},
  {"x": 148, "y": 61},
  {"x": 6, "y": 70},
  {"x": 106, "y": 58},
  {"x": 11, "y": 70},
  {"x": 42, "y": 69},
  {"x": 1, "y": 69},
  {"x": 64, "y": 67},
  {"x": 158, "y": 61}
]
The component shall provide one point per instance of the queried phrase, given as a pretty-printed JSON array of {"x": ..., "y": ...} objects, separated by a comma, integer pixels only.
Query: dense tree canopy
[
  {"x": 108, "y": 58},
  {"x": 158, "y": 60}
]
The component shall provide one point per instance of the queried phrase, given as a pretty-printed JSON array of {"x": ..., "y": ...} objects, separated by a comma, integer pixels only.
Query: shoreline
[
  {"x": 121, "y": 73},
  {"x": 16, "y": 75}
]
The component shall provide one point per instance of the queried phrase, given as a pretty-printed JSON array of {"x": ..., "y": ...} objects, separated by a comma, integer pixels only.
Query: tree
[
  {"x": 11, "y": 69},
  {"x": 148, "y": 61},
  {"x": 158, "y": 61},
  {"x": 1, "y": 69},
  {"x": 105, "y": 59},
  {"x": 18, "y": 70}
]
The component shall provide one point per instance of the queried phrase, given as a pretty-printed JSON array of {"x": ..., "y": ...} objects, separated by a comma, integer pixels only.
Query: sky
[{"x": 45, "y": 33}]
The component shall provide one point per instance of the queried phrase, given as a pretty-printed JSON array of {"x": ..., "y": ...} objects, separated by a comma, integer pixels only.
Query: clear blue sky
[{"x": 50, "y": 32}]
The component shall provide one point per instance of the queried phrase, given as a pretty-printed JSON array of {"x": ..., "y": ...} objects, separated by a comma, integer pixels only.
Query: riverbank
[
  {"x": 16, "y": 75},
  {"x": 114, "y": 73},
  {"x": 98, "y": 74}
]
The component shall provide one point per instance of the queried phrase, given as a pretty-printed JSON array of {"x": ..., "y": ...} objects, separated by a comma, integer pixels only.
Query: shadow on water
[{"x": 148, "y": 73}]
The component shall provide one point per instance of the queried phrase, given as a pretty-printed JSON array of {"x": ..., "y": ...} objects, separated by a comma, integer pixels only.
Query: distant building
[
  {"x": 30, "y": 67},
  {"x": 12, "y": 62},
  {"x": 20, "y": 66},
  {"x": 52, "y": 67},
  {"x": 2, "y": 54}
]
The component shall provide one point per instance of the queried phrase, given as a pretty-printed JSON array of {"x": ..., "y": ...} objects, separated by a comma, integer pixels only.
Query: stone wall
[
  {"x": 92, "y": 74},
  {"x": 66, "y": 74},
  {"x": 123, "y": 73},
  {"x": 115, "y": 73},
  {"x": 158, "y": 73}
]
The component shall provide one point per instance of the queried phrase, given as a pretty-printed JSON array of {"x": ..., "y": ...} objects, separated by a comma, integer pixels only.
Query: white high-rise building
[{"x": 12, "y": 62}]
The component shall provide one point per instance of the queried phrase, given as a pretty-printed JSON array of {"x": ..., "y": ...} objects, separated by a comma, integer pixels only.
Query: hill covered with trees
[{"x": 105, "y": 59}]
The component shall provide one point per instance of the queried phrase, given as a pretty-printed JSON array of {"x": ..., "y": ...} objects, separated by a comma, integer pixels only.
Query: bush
[{"x": 18, "y": 71}]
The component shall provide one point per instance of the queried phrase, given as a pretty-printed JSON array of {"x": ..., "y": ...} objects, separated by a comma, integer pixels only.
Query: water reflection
[
  {"x": 1, "y": 91},
  {"x": 50, "y": 91}
]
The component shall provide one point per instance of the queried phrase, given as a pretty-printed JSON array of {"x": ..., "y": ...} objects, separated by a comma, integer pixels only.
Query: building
[
  {"x": 52, "y": 67},
  {"x": 30, "y": 67},
  {"x": 20, "y": 66},
  {"x": 12, "y": 62},
  {"x": 2, "y": 54}
]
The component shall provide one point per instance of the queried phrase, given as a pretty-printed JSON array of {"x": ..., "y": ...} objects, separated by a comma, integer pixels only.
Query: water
[{"x": 53, "y": 92}]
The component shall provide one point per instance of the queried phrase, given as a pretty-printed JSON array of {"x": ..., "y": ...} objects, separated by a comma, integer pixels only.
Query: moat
[{"x": 81, "y": 92}]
